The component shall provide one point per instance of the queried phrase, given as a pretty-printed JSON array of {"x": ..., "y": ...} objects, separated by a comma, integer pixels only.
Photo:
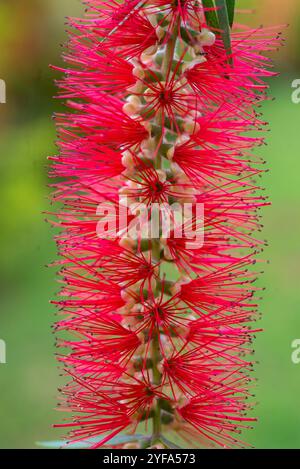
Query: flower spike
[{"x": 159, "y": 212}]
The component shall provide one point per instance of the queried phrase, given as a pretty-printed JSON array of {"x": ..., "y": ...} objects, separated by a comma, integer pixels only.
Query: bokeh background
[{"x": 31, "y": 32}]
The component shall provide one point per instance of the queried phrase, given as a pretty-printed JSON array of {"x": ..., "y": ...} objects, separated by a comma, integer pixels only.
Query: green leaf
[
  {"x": 210, "y": 14},
  {"x": 116, "y": 440},
  {"x": 219, "y": 15},
  {"x": 223, "y": 17},
  {"x": 230, "y": 11}
]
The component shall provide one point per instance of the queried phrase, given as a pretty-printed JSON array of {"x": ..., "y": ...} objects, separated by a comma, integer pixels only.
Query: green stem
[
  {"x": 155, "y": 348},
  {"x": 170, "y": 50},
  {"x": 156, "y": 382}
]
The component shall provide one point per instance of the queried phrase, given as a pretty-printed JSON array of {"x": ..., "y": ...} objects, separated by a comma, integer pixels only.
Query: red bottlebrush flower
[
  {"x": 101, "y": 412},
  {"x": 186, "y": 10},
  {"x": 169, "y": 99},
  {"x": 218, "y": 417},
  {"x": 133, "y": 36},
  {"x": 104, "y": 71},
  {"x": 87, "y": 162},
  {"x": 122, "y": 132},
  {"x": 105, "y": 341},
  {"x": 157, "y": 308}
]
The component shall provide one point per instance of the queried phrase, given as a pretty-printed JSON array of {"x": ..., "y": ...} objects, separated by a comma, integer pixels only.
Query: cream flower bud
[
  {"x": 160, "y": 367},
  {"x": 152, "y": 19},
  {"x": 182, "y": 139},
  {"x": 127, "y": 160},
  {"x": 180, "y": 176},
  {"x": 192, "y": 52},
  {"x": 124, "y": 191},
  {"x": 147, "y": 125},
  {"x": 149, "y": 54},
  {"x": 135, "y": 208},
  {"x": 160, "y": 33},
  {"x": 151, "y": 50},
  {"x": 175, "y": 168},
  {"x": 140, "y": 350},
  {"x": 182, "y": 330},
  {"x": 174, "y": 289},
  {"x": 191, "y": 317},
  {"x": 206, "y": 37},
  {"x": 127, "y": 243},
  {"x": 167, "y": 254},
  {"x": 162, "y": 176},
  {"x": 132, "y": 184},
  {"x": 198, "y": 61},
  {"x": 150, "y": 155},
  {"x": 191, "y": 127},
  {"x": 149, "y": 144},
  {"x": 129, "y": 298},
  {"x": 132, "y": 106},
  {"x": 134, "y": 100},
  {"x": 148, "y": 95},
  {"x": 136, "y": 88},
  {"x": 138, "y": 72},
  {"x": 131, "y": 446},
  {"x": 129, "y": 109},
  {"x": 189, "y": 199},
  {"x": 170, "y": 153},
  {"x": 183, "y": 400}
]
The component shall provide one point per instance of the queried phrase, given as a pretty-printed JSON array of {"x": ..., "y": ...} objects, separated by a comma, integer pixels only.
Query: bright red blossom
[{"x": 158, "y": 113}]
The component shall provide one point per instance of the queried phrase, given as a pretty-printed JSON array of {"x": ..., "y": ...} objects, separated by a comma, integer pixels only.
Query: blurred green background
[{"x": 30, "y": 36}]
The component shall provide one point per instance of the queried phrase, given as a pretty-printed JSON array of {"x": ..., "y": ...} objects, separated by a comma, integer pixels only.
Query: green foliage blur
[{"x": 30, "y": 36}]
